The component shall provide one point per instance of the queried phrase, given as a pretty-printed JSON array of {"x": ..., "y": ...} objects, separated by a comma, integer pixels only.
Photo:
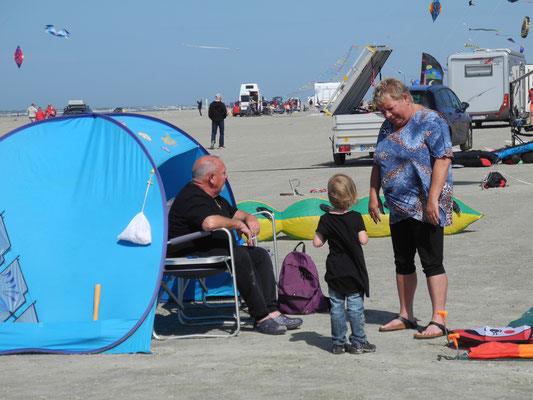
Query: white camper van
[
  {"x": 481, "y": 78},
  {"x": 251, "y": 99}
]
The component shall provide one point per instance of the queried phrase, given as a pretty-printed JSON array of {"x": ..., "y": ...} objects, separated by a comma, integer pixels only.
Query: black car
[
  {"x": 442, "y": 99},
  {"x": 76, "y": 107}
]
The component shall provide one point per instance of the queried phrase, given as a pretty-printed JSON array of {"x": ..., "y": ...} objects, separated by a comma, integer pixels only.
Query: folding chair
[
  {"x": 273, "y": 253},
  {"x": 184, "y": 269}
]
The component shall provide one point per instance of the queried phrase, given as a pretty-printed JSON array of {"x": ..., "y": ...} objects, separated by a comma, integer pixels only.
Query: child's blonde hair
[{"x": 342, "y": 192}]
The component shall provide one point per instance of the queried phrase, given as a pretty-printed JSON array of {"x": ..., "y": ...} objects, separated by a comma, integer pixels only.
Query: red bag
[
  {"x": 501, "y": 350},
  {"x": 473, "y": 337}
]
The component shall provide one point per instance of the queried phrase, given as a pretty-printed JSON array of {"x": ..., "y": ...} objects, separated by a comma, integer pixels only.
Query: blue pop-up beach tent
[{"x": 70, "y": 185}]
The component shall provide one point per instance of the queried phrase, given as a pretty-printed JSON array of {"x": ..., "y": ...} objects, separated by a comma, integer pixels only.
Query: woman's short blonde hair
[
  {"x": 392, "y": 87},
  {"x": 342, "y": 192}
]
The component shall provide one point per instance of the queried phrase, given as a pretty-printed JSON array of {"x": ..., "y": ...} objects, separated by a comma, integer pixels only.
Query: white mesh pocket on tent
[{"x": 138, "y": 230}]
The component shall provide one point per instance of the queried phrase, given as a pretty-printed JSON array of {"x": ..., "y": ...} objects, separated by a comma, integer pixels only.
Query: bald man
[{"x": 199, "y": 206}]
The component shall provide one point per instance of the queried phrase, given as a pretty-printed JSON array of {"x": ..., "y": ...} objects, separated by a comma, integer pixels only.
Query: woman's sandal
[
  {"x": 405, "y": 324},
  {"x": 442, "y": 332}
]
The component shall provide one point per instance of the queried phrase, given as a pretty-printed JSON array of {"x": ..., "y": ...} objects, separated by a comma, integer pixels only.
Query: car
[
  {"x": 236, "y": 109},
  {"x": 443, "y": 100},
  {"x": 76, "y": 107}
]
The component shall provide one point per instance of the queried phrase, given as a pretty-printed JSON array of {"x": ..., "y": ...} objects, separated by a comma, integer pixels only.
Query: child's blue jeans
[{"x": 355, "y": 312}]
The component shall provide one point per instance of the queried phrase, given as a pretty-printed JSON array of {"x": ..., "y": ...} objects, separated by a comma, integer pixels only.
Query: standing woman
[{"x": 412, "y": 163}]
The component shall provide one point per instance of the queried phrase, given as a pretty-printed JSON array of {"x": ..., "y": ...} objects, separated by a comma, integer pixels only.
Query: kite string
[
  {"x": 326, "y": 76},
  {"x": 519, "y": 180},
  {"x": 147, "y": 188},
  {"x": 485, "y": 179}
]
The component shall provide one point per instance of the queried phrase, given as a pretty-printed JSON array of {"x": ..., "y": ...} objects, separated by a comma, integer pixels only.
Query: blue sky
[{"x": 130, "y": 52}]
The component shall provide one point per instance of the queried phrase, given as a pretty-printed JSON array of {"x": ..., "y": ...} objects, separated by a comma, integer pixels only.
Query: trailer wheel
[
  {"x": 339, "y": 158},
  {"x": 371, "y": 154},
  {"x": 469, "y": 140},
  {"x": 478, "y": 124}
]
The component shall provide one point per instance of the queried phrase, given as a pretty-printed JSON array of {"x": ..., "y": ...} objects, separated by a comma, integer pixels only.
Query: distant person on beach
[
  {"x": 412, "y": 163},
  {"x": 31, "y": 111},
  {"x": 50, "y": 111},
  {"x": 217, "y": 114},
  {"x": 199, "y": 206},
  {"x": 39, "y": 115},
  {"x": 199, "y": 102},
  {"x": 346, "y": 273}
]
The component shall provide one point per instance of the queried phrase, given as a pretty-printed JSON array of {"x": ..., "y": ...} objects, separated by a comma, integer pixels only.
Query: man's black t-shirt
[
  {"x": 345, "y": 265},
  {"x": 190, "y": 208}
]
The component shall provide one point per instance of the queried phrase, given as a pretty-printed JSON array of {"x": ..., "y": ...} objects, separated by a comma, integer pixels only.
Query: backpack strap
[{"x": 303, "y": 247}]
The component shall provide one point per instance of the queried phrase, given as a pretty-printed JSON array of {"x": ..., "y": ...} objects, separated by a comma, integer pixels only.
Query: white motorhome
[
  {"x": 482, "y": 79},
  {"x": 356, "y": 130},
  {"x": 251, "y": 99}
]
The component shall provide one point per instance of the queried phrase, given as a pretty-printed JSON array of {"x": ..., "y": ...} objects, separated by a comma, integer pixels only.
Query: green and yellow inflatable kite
[{"x": 299, "y": 221}]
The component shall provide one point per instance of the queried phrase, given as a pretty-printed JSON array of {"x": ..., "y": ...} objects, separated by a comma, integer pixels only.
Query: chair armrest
[
  {"x": 188, "y": 237},
  {"x": 195, "y": 235}
]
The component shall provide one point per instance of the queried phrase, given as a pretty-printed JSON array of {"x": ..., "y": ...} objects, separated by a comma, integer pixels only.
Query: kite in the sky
[
  {"x": 208, "y": 47},
  {"x": 435, "y": 8},
  {"x": 51, "y": 29},
  {"x": 18, "y": 56},
  {"x": 525, "y": 27},
  {"x": 511, "y": 40},
  {"x": 484, "y": 29}
]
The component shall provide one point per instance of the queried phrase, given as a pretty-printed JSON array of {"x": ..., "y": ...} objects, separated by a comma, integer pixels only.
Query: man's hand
[
  {"x": 253, "y": 225},
  {"x": 244, "y": 230}
]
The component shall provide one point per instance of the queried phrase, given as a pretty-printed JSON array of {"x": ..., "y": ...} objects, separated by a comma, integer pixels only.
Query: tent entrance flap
[{"x": 358, "y": 80}]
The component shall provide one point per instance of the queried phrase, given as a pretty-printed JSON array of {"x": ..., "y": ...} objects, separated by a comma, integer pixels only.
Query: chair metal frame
[{"x": 186, "y": 268}]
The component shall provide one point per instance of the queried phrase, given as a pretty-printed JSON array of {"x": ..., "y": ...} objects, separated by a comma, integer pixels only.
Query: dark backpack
[
  {"x": 299, "y": 286},
  {"x": 494, "y": 179}
]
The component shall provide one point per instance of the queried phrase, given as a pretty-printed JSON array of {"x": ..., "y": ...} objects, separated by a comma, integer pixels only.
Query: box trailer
[
  {"x": 355, "y": 130},
  {"x": 482, "y": 79}
]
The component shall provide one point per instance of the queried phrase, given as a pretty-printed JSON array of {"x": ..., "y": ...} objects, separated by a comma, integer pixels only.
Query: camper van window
[
  {"x": 249, "y": 86},
  {"x": 245, "y": 98},
  {"x": 478, "y": 70}
]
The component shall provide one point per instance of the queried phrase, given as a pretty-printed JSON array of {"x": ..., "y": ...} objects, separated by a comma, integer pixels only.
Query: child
[{"x": 346, "y": 273}]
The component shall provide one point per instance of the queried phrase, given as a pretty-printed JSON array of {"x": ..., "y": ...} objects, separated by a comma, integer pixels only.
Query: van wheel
[
  {"x": 339, "y": 158},
  {"x": 469, "y": 140},
  {"x": 478, "y": 124},
  {"x": 371, "y": 154}
]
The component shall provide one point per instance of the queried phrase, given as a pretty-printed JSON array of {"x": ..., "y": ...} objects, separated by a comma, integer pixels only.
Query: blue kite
[
  {"x": 435, "y": 8},
  {"x": 63, "y": 33}
]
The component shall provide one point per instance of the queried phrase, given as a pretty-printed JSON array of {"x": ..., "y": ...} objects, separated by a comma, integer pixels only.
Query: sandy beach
[{"x": 489, "y": 266}]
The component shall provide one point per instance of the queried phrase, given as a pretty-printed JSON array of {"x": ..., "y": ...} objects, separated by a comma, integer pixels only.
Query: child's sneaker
[
  {"x": 358, "y": 347},
  {"x": 338, "y": 348}
]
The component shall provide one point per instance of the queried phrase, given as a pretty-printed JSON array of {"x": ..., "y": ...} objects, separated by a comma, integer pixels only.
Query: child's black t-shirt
[{"x": 345, "y": 265}]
